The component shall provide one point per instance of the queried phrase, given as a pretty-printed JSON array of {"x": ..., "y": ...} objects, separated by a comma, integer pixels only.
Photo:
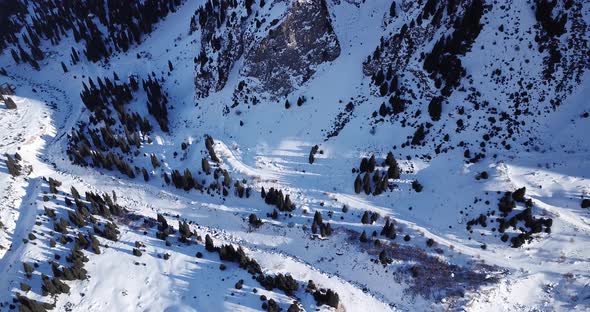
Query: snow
[
  {"x": 271, "y": 150},
  {"x": 25, "y": 131}
]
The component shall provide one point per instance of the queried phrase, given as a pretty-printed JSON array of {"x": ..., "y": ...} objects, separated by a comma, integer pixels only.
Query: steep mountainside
[{"x": 295, "y": 155}]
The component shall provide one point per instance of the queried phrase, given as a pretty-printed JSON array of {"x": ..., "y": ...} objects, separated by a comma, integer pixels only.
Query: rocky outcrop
[
  {"x": 279, "y": 55},
  {"x": 289, "y": 54}
]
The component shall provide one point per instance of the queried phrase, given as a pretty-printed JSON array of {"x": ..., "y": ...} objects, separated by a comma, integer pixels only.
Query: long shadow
[
  {"x": 26, "y": 216},
  {"x": 202, "y": 285},
  {"x": 23, "y": 245}
]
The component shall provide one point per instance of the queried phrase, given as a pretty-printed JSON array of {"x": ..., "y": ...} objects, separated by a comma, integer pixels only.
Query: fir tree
[
  {"x": 205, "y": 166},
  {"x": 357, "y": 184},
  {"x": 435, "y": 107},
  {"x": 363, "y": 237},
  {"x": 365, "y": 218},
  {"x": 392, "y": 9},
  {"x": 367, "y": 183},
  {"x": 14, "y": 168},
  {"x": 209, "y": 243}
]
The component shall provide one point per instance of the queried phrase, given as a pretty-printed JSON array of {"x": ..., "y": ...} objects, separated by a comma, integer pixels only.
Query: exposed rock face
[
  {"x": 290, "y": 53},
  {"x": 277, "y": 58}
]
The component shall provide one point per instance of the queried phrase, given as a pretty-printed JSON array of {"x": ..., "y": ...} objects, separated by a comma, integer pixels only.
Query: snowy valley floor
[
  {"x": 550, "y": 273},
  {"x": 440, "y": 260}
]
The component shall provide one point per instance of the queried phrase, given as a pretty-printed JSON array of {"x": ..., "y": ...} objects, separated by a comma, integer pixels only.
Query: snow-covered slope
[{"x": 207, "y": 108}]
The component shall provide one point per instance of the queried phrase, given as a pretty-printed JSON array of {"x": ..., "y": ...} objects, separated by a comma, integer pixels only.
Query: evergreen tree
[
  {"x": 383, "y": 110},
  {"x": 372, "y": 164},
  {"x": 327, "y": 297},
  {"x": 205, "y": 166},
  {"x": 383, "y": 257},
  {"x": 418, "y": 135},
  {"x": 435, "y": 107},
  {"x": 146, "y": 176},
  {"x": 365, "y": 218},
  {"x": 15, "y": 56},
  {"x": 28, "y": 269},
  {"x": 384, "y": 89},
  {"x": 379, "y": 78},
  {"x": 392, "y": 9},
  {"x": 364, "y": 165},
  {"x": 367, "y": 183},
  {"x": 393, "y": 172},
  {"x": 155, "y": 161},
  {"x": 543, "y": 13},
  {"x": 388, "y": 230},
  {"x": 312, "y": 153},
  {"x": 518, "y": 195},
  {"x": 317, "y": 218},
  {"x": 363, "y": 237},
  {"x": 253, "y": 220},
  {"x": 417, "y": 186},
  {"x": 300, "y": 100},
  {"x": 357, "y": 184},
  {"x": 14, "y": 168},
  {"x": 209, "y": 146},
  {"x": 209, "y": 243}
]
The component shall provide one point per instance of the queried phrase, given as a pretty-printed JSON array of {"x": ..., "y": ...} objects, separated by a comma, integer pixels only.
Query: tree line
[{"x": 106, "y": 27}]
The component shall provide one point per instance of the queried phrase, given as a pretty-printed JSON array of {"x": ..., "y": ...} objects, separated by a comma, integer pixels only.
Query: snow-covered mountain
[{"x": 295, "y": 155}]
